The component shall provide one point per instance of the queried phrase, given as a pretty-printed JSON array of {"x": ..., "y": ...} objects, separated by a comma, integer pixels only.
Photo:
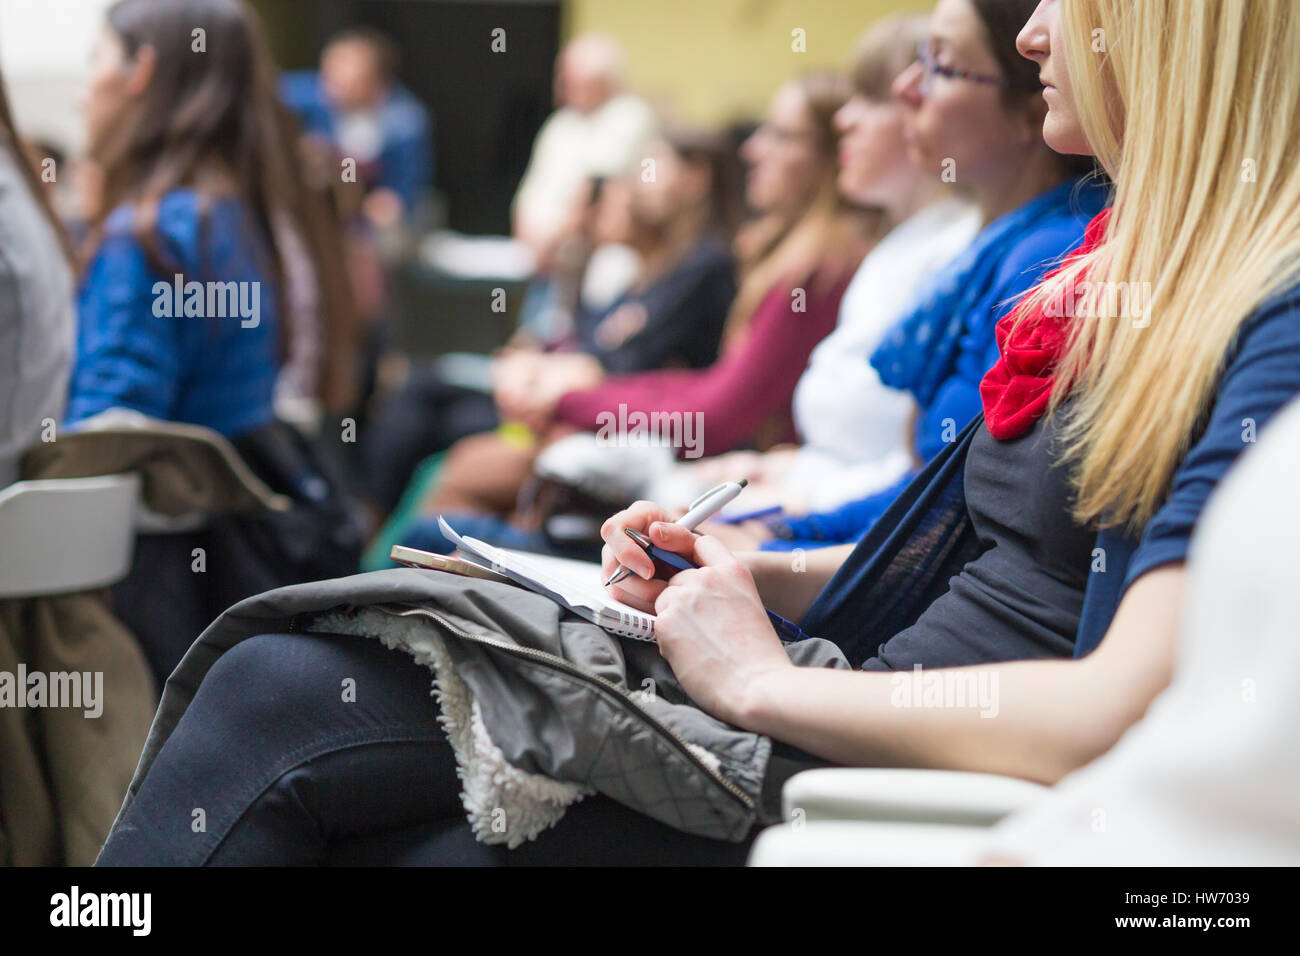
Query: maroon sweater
[{"x": 750, "y": 383}]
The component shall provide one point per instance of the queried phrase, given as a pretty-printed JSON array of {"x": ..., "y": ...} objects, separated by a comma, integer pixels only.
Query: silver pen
[{"x": 702, "y": 509}]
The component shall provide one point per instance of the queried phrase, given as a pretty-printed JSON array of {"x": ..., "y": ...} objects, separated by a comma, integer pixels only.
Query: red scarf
[{"x": 1017, "y": 389}]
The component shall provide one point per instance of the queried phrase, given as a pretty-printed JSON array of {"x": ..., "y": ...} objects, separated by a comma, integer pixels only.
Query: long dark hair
[
  {"x": 715, "y": 151},
  {"x": 9, "y": 139},
  {"x": 206, "y": 120},
  {"x": 211, "y": 120}
]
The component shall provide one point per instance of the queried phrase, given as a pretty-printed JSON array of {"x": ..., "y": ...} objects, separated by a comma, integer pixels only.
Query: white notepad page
[{"x": 575, "y": 584}]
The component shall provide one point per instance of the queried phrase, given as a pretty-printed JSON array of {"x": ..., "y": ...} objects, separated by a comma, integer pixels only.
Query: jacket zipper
[{"x": 594, "y": 679}]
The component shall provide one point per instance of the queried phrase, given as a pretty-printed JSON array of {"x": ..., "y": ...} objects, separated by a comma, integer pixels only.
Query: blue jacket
[
  {"x": 139, "y": 347},
  {"x": 925, "y": 537},
  {"x": 406, "y": 161}
]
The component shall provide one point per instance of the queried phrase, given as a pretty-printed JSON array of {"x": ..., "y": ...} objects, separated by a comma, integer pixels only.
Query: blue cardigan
[
  {"x": 137, "y": 350},
  {"x": 925, "y": 537}
]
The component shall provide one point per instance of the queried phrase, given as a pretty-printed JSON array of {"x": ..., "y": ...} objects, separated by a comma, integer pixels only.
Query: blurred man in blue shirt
[{"x": 357, "y": 104}]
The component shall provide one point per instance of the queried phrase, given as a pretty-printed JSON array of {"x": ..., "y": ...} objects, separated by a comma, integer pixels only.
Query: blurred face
[
  {"x": 579, "y": 84},
  {"x": 782, "y": 156},
  {"x": 350, "y": 76},
  {"x": 956, "y": 117},
  {"x": 873, "y": 159},
  {"x": 112, "y": 83},
  {"x": 611, "y": 219},
  {"x": 655, "y": 199},
  {"x": 1042, "y": 40}
]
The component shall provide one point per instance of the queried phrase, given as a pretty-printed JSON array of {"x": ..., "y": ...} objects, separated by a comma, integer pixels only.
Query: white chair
[
  {"x": 63, "y": 535},
  {"x": 836, "y": 843},
  {"x": 885, "y": 817}
]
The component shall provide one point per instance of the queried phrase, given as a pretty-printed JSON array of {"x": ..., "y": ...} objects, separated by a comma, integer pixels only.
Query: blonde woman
[
  {"x": 1193, "y": 110},
  {"x": 1107, "y": 430}
]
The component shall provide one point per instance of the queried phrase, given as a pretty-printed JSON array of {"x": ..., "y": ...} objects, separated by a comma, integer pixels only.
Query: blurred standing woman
[{"x": 35, "y": 304}]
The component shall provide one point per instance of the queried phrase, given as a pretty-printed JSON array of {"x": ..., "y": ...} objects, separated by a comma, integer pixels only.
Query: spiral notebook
[{"x": 574, "y": 584}]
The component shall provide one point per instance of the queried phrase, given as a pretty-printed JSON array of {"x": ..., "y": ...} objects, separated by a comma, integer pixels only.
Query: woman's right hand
[{"x": 641, "y": 589}]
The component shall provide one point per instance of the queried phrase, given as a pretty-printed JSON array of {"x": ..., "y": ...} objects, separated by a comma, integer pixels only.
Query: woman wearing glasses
[{"x": 975, "y": 114}]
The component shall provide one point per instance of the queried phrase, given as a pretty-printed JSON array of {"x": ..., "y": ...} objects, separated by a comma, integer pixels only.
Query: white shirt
[
  {"x": 572, "y": 147},
  {"x": 854, "y": 428},
  {"x": 360, "y": 134}
]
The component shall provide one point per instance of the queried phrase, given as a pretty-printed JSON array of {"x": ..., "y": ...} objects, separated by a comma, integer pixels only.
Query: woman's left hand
[{"x": 714, "y": 632}]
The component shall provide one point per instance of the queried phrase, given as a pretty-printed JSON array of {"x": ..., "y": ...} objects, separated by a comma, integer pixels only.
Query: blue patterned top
[{"x": 940, "y": 351}]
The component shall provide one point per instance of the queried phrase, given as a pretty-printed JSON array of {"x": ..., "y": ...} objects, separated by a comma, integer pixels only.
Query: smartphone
[{"x": 415, "y": 558}]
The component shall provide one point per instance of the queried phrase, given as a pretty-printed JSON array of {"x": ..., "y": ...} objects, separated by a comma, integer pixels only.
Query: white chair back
[{"x": 68, "y": 534}]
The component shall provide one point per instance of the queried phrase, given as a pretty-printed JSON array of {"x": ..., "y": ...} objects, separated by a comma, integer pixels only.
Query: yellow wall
[{"x": 716, "y": 60}]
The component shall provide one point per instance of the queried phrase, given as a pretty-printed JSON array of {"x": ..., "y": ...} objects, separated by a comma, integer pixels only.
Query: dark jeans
[
  {"x": 426, "y": 415},
  {"x": 271, "y": 765}
]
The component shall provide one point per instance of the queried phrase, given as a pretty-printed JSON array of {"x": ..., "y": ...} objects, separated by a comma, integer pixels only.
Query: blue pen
[
  {"x": 749, "y": 515},
  {"x": 668, "y": 563}
]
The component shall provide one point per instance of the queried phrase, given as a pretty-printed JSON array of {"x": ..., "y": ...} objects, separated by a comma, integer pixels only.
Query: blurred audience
[
  {"x": 798, "y": 256},
  {"x": 677, "y": 225},
  {"x": 855, "y": 430},
  {"x": 1033, "y": 206}
]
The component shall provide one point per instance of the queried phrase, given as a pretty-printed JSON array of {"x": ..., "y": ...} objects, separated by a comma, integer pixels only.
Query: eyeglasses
[{"x": 925, "y": 56}]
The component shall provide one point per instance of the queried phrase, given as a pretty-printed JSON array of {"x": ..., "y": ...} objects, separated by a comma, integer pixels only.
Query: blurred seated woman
[
  {"x": 806, "y": 244},
  {"x": 678, "y": 223},
  {"x": 203, "y": 251}
]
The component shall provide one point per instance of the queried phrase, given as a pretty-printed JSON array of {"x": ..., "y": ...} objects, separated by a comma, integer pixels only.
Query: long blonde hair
[{"x": 1194, "y": 109}]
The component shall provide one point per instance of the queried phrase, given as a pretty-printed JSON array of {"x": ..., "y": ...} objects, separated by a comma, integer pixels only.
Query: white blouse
[{"x": 855, "y": 430}]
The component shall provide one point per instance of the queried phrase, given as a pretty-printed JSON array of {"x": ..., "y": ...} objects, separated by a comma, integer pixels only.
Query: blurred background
[
  {"x": 716, "y": 61},
  {"x": 476, "y": 81}
]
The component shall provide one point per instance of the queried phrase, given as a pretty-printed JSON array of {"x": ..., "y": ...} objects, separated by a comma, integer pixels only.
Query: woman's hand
[
  {"x": 528, "y": 386},
  {"x": 640, "y": 590},
  {"x": 712, "y": 627},
  {"x": 514, "y": 374},
  {"x": 714, "y": 632}
]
